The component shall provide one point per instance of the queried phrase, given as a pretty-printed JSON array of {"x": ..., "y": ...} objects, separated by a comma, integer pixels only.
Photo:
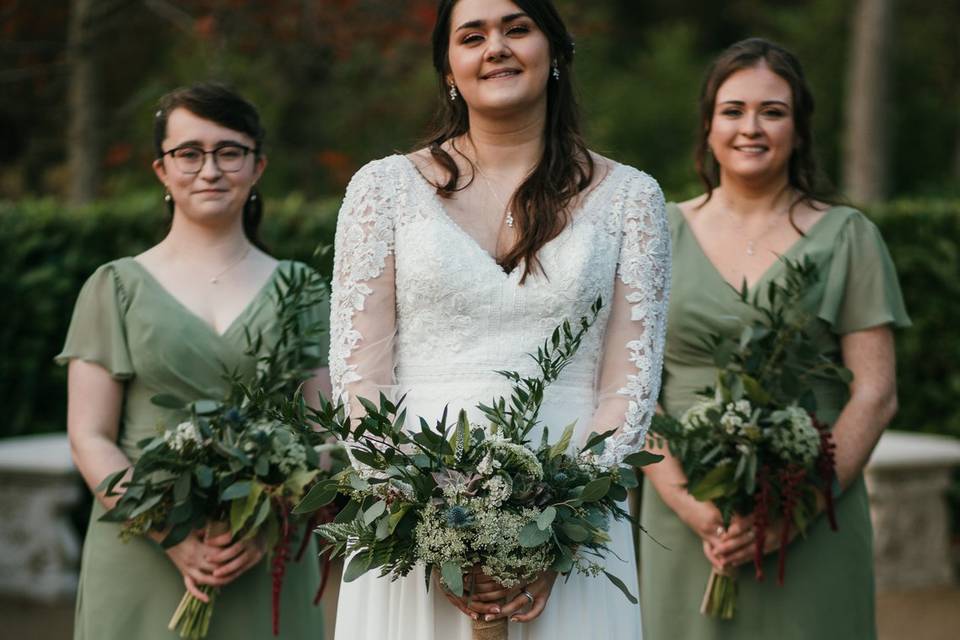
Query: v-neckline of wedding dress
[{"x": 441, "y": 211}]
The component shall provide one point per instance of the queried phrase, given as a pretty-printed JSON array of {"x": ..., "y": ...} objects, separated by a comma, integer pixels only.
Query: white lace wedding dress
[{"x": 419, "y": 307}]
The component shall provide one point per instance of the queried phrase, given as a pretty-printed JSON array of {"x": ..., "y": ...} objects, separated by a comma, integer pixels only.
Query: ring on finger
[
  {"x": 528, "y": 596},
  {"x": 719, "y": 531}
]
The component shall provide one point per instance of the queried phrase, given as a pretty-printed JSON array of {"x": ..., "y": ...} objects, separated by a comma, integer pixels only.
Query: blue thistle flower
[{"x": 459, "y": 517}]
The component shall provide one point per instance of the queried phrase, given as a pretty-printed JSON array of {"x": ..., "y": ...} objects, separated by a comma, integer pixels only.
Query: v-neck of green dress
[
  {"x": 856, "y": 289},
  {"x": 176, "y": 302},
  {"x": 127, "y": 322},
  {"x": 775, "y": 267}
]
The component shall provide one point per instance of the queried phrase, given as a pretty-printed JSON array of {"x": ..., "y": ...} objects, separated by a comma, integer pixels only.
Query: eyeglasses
[{"x": 229, "y": 158}]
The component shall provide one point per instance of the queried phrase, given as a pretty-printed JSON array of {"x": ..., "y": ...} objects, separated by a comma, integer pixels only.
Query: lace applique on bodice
[{"x": 405, "y": 274}]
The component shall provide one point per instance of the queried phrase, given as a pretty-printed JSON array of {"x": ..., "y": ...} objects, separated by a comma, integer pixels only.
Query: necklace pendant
[
  {"x": 750, "y": 248},
  {"x": 509, "y": 220}
]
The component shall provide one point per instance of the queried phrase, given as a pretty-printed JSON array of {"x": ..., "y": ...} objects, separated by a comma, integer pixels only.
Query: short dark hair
[{"x": 218, "y": 103}]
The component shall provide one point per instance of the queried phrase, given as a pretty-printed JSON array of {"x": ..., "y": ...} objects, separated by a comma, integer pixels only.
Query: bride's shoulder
[
  {"x": 427, "y": 165},
  {"x": 635, "y": 180},
  {"x": 381, "y": 168}
]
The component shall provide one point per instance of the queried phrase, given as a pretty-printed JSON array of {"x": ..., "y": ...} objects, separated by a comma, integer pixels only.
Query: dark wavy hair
[
  {"x": 803, "y": 174},
  {"x": 540, "y": 204},
  {"x": 218, "y": 103}
]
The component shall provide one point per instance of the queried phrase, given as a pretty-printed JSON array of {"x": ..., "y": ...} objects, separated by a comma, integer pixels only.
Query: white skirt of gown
[{"x": 581, "y": 608}]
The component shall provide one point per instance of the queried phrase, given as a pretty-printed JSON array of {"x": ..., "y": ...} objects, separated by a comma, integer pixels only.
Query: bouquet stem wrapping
[
  {"x": 191, "y": 620},
  {"x": 490, "y": 630},
  {"x": 720, "y": 596}
]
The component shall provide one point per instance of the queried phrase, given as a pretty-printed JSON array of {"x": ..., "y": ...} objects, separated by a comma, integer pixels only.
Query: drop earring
[
  {"x": 556, "y": 70},
  {"x": 453, "y": 92},
  {"x": 253, "y": 196},
  {"x": 167, "y": 197}
]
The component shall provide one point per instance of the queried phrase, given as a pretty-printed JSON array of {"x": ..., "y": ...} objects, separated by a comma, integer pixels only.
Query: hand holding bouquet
[{"x": 753, "y": 444}]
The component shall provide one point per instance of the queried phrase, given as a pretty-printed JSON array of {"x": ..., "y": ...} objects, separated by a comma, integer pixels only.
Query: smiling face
[
  {"x": 210, "y": 195},
  {"x": 499, "y": 58},
  {"x": 752, "y": 133}
]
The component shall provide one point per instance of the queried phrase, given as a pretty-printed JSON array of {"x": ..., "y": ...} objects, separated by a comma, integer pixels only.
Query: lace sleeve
[
  {"x": 629, "y": 380},
  {"x": 363, "y": 311}
]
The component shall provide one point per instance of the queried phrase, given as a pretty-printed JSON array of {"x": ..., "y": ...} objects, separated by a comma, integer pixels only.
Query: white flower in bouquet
[
  {"x": 182, "y": 435},
  {"x": 498, "y": 489},
  {"x": 794, "y": 436},
  {"x": 488, "y": 465},
  {"x": 437, "y": 542},
  {"x": 736, "y": 417},
  {"x": 498, "y": 535},
  {"x": 516, "y": 455},
  {"x": 696, "y": 416}
]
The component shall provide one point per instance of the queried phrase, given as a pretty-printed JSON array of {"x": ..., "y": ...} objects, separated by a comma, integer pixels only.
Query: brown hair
[
  {"x": 803, "y": 174},
  {"x": 217, "y": 103},
  {"x": 540, "y": 203}
]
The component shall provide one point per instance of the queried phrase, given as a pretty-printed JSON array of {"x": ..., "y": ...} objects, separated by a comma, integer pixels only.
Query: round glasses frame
[{"x": 190, "y": 159}]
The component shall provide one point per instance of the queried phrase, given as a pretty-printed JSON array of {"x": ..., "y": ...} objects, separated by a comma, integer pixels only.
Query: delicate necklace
[
  {"x": 216, "y": 279},
  {"x": 752, "y": 242},
  {"x": 508, "y": 217}
]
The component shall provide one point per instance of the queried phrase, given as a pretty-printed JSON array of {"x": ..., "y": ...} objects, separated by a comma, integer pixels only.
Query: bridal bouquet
[
  {"x": 465, "y": 497},
  {"x": 753, "y": 443},
  {"x": 230, "y": 466}
]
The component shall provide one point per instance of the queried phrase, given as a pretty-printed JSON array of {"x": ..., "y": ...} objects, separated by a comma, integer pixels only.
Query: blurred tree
[
  {"x": 867, "y": 138},
  {"x": 84, "y": 104},
  {"x": 342, "y": 81},
  {"x": 925, "y": 98}
]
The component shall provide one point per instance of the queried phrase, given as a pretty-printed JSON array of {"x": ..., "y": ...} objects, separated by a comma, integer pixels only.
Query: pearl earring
[
  {"x": 556, "y": 70},
  {"x": 167, "y": 197},
  {"x": 253, "y": 196},
  {"x": 453, "y": 92}
]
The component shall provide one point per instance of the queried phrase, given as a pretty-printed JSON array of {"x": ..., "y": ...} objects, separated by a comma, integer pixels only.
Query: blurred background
[{"x": 341, "y": 82}]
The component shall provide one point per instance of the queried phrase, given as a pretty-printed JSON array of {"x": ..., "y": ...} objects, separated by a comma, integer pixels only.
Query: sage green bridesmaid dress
[
  {"x": 829, "y": 588},
  {"x": 126, "y": 322}
]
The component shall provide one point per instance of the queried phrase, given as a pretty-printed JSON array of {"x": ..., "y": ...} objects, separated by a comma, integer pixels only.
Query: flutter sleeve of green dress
[
  {"x": 97, "y": 330},
  {"x": 861, "y": 289}
]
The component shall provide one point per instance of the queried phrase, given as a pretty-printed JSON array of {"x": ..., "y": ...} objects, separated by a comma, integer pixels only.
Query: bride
[{"x": 459, "y": 259}]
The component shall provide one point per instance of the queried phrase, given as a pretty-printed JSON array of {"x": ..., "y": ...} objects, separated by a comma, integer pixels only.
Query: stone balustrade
[
  {"x": 39, "y": 547},
  {"x": 907, "y": 479}
]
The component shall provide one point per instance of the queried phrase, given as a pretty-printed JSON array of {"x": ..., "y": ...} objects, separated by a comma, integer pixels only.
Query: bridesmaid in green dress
[
  {"x": 761, "y": 202},
  {"x": 168, "y": 321}
]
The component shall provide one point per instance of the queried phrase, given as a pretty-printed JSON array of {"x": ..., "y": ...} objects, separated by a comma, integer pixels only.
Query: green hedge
[
  {"x": 924, "y": 238},
  {"x": 48, "y": 252}
]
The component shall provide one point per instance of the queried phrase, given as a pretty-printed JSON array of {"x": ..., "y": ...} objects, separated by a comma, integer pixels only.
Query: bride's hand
[
  {"x": 456, "y": 601},
  {"x": 488, "y": 596},
  {"x": 540, "y": 590},
  {"x": 489, "y": 600}
]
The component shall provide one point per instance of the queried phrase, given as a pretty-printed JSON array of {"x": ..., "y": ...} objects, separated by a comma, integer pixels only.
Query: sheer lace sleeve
[
  {"x": 629, "y": 379},
  {"x": 363, "y": 310}
]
